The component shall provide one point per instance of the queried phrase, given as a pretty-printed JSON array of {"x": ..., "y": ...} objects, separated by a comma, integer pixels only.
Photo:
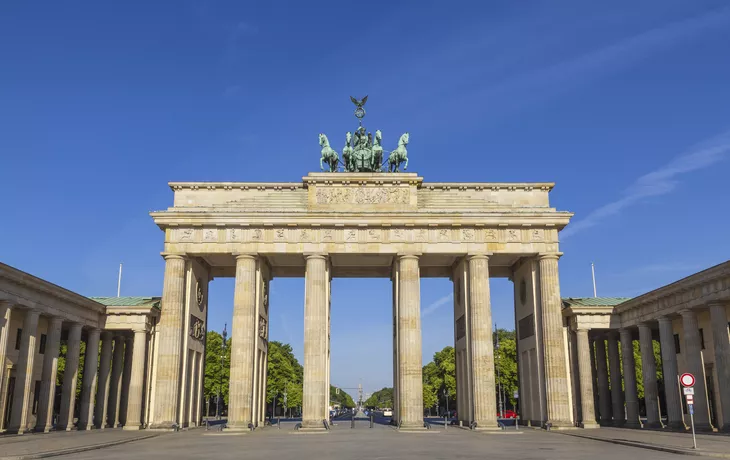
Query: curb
[
  {"x": 75, "y": 450},
  {"x": 671, "y": 450}
]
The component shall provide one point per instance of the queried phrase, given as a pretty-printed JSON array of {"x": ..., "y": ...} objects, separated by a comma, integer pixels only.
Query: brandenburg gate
[{"x": 363, "y": 223}]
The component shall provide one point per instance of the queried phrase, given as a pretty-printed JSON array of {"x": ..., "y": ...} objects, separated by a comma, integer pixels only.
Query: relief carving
[
  {"x": 513, "y": 235},
  {"x": 327, "y": 234},
  {"x": 186, "y": 234},
  {"x": 537, "y": 235},
  {"x": 421, "y": 234},
  {"x": 234, "y": 234},
  {"x": 280, "y": 234},
  {"x": 363, "y": 195},
  {"x": 351, "y": 235},
  {"x": 467, "y": 234},
  {"x": 443, "y": 234},
  {"x": 257, "y": 234},
  {"x": 490, "y": 234},
  {"x": 263, "y": 330},
  {"x": 210, "y": 234},
  {"x": 373, "y": 235}
]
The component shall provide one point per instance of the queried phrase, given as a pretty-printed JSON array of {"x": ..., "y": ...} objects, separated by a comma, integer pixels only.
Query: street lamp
[
  {"x": 220, "y": 375},
  {"x": 446, "y": 395}
]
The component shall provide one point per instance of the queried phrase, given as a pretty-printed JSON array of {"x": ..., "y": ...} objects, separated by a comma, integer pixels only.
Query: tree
[
  {"x": 284, "y": 373},
  {"x": 341, "y": 397},
  {"x": 438, "y": 375},
  {"x": 63, "y": 351},
  {"x": 382, "y": 398},
  {"x": 505, "y": 362},
  {"x": 216, "y": 377},
  {"x": 638, "y": 367}
]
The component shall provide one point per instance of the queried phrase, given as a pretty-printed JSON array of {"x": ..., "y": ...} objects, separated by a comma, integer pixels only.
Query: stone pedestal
[
  {"x": 169, "y": 349},
  {"x": 630, "y": 391},
  {"x": 557, "y": 386},
  {"x": 617, "y": 392},
  {"x": 315, "y": 399},
  {"x": 586, "y": 380},
  {"x": 675, "y": 418},
  {"x": 243, "y": 344},
  {"x": 482, "y": 348},
  {"x": 721, "y": 343},
  {"x": 70, "y": 375},
  {"x": 648, "y": 372},
  {"x": 604, "y": 392},
  {"x": 88, "y": 385},
  {"x": 136, "y": 381},
  {"x": 696, "y": 366},
  {"x": 102, "y": 388},
  {"x": 24, "y": 375},
  {"x": 44, "y": 422}
]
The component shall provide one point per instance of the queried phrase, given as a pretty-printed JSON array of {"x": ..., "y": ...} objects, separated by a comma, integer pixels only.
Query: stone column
[
  {"x": 718, "y": 318},
  {"x": 68, "y": 394},
  {"x": 556, "y": 372},
  {"x": 243, "y": 344},
  {"x": 695, "y": 366},
  {"x": 169, "y": 350},
  {"x": 586, "y": 380},
  {"x": 630, "y": 391},
  {"x": 409, "y": 346},
  {"x": 24, "y": 374},
  {"x": 102, "y": 389},
  {"x": 115, "y": 383},
  {"x": 604, "y": 393},
  {"x": 5, "y": 312},
  {"x": 482, "y": 347},
  {"x": 675, "y": 416},
  {"x": 88, "y": 385},
  {"x": 648, "y": 372},
  {"x": 44, "y": 421},
  {"x": 136, "y": 381},
  {"x": 617, "y": 392},
  {"x": 126, "y": 376},
  {"x": 315, "y": 401}
]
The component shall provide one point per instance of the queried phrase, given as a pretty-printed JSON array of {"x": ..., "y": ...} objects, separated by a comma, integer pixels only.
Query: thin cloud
[
  {"x": 436, "y": 305},
  {"x": 656, "y": 183}
]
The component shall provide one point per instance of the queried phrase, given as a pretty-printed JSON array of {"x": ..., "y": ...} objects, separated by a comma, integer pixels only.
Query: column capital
[
  {"x": 644, "y": 324},
  {"x": 245, "y": 255},
  {"x": 107, "y": 335},
  {"x": 74, "y": 326},
  {"x": 480, "y": 255},
  {"x": 549, "y": 255},
  {"x": 718, "y": 303},
  {"x": 664, "y": 319},
  {"x": 171, "y": 255},
  {"x": 410, "y": 255},
  {"x": 687, "y": 311},
  {"x": 316, "y": 255}
]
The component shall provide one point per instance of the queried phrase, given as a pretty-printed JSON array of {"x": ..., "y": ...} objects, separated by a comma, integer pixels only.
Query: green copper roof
[
  {"x": 128, "y": 301},
  {"x": 593, "y": 301}
]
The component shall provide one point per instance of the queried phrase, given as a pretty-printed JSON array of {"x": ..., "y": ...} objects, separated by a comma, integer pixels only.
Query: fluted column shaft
[
  {"x": 617, "y": 392},
  {"x": 115, "y": 383},
  {"x": 88, "y": 385},
  {"x": 556, "y": 371},
  {"x": 409, "y": 343},
  {"x": 675, "y": 417},
  {"x": 243, "y": 344},
  {"x": 604, "y": 393},
  {"x": 630, "y": 392},
  {"x": 648, "y": 372},
  {"x": 24, "y": 374},
  {"x": 102, "y": 389},
  {"x": 5, "y": 312},
  {"x": 315, "y": 401},
  {"x": 169, "y": 351},
  {"x": 136, "y": 381},
  {"x": 696, "y": 366},
  {"x": 44, "y": 421},
  {"x": 126, "y": 376},
  {"x": 482, "y": 347},
  {"x": 721, "y": 343},
  {"x": 70, "y": 374},
  {"x": 585, "y": 376}
]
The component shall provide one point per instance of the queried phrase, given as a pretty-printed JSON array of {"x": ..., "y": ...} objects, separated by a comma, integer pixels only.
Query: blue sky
[{"x": 625, "y": 105}]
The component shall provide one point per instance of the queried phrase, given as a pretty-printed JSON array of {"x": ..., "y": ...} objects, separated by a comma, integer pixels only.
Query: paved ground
[{"x": 35, "y": 443}]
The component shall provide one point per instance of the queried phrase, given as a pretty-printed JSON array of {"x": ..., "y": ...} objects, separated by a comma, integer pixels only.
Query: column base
[
  {"x": 168, "y": 426},
  {"x": 486, "y": 425},
  {"x": 131, "y": 428},
  {"x": 589, "y": 425},
  {"x": 634, "y": 425},
  {"x": 44, "y": 429},
  {"x": 16, "y": 431},
  {"x": 706, "y": 427},
  {"x": 676, "y": 426},
  {"x": 558, "y": 424},
  {"x": 619, "y": 423},
  {"x": 653, "y": 425}
]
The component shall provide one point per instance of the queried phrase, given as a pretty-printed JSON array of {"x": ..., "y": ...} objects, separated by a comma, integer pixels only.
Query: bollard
[
  {"x": 371, "y": 420},
  {"x": 278, "y": 422},
  {"x": 446, "y": 422},
  {"x": 352, "y": 422}
]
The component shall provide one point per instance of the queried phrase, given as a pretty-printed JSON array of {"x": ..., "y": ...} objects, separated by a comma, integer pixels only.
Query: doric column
[
  {"x": 24, "y": 374},
  {"x": 5, "y": 312},
  {"x": 718, "y": 318},
  {"x": 315, "y": 401},
  {"x": 482, "y": 347},
  {"x": 136, "y": 381},
  {"x": 243, "y": 344},
  {"x": 409, "y": 346},
  {"x": 617, "y": 392},
  {"x": 695, "y": 365},
  {"x": 88, "y": 384},
  {"x": 44, "y": 421},
  {"x": 115, "y": 383},
  {"x": 556, "y": 371},
  {"x": 648, "y": 372},
  {"x": 675, "y": 417},
  {"x": 586, "y": 380},
  {"x": 102, "y": 388},
  {"x": 630, "y": 391},
  {"x": 604, "y": 393},
  {"x": 126, "y": 376},
  {"x": 70, "y": 374},
  {"x": 169, "y": 348}
]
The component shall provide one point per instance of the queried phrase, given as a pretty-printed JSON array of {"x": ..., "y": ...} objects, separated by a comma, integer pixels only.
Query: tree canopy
[
  {"x": 382, "y": 398},
  {"x": 341, "y": 397},
  {"x": 284, "y": 374},
  {"x": 217, "y": 371}
]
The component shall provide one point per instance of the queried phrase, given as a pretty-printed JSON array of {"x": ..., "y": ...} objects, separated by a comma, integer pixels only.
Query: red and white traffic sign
[
  {"x": 690, "y": 399},
  {"x": 687, "y": 380}
]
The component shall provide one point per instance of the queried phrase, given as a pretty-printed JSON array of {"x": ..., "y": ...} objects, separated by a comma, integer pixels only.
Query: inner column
[
  {"x": 315, "y": 399},
  {"x": 410, "y": 388}
]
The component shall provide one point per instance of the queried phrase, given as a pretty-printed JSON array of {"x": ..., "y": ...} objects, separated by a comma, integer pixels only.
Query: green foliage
[
  {"x": 341, "y": 397},
  {"x": 63, "y": 351},
  {"x": 438, "y": 375},
  {"x": 638, "y": 361},
  {"x": 382, "y": 398},
  {"x": 505, "y": 363},
  {"x": 284, "y": 374},
  {"x": 217, "y": 371}
]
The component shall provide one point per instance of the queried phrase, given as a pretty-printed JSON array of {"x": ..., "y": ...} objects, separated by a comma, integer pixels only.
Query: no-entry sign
[{"x": 687, "y": 380}]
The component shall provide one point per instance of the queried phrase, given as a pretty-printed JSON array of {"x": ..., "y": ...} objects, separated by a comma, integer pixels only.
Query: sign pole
[
  {"x": 688, "y": 381},
  {"x": 692, "y": 422}
]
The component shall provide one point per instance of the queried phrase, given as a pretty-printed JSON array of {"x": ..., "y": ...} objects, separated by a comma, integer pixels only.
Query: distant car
[
  {"x": 508, "y": 414},
  {"x": 387, "y": 412}
]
